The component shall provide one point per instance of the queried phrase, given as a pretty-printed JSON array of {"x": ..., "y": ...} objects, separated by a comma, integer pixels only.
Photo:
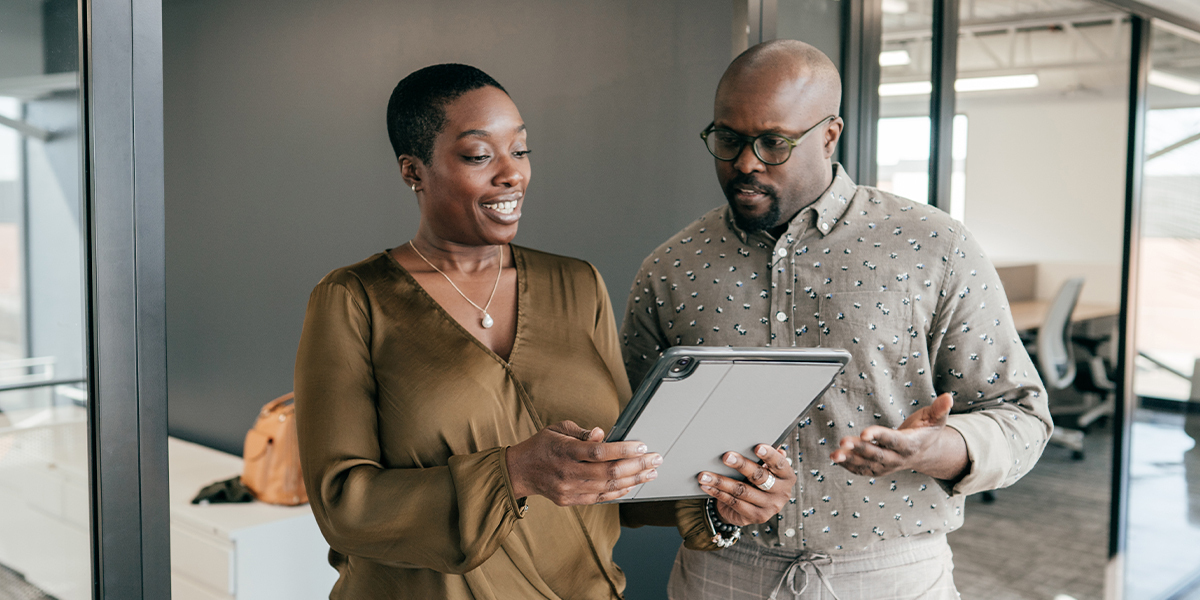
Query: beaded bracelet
[{"x": 724, "y": 535}]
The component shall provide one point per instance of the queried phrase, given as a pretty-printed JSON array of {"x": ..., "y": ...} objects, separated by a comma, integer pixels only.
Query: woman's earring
[{"x": 414, "y": 187}]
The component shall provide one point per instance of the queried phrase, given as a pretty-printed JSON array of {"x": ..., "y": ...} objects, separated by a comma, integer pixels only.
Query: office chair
[
  {"x": 1052, "y": 353},
  {"x": 1054, "y": 356},
  {"x": 1093, "y": 381}
]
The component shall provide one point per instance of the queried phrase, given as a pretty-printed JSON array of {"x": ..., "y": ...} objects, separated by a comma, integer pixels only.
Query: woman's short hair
[{"x": 416, "y": 113}]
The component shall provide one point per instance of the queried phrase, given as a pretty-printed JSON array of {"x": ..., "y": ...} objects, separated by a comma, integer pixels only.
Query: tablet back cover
[{"x": 721, "y": 406}]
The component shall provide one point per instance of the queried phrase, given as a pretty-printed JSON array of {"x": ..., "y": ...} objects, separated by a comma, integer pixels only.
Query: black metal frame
[
  {"x": 944, "y": 53},
  {"x": 862, "y": 31},
  {"x": 1139, "y": 68},
  {"x": 121, "y": 92}
]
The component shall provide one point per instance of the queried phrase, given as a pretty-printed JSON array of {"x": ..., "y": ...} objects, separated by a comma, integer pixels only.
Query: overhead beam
[
  {"x": 994, "y": 26},
  {"x": 1173, "y": 147},
  {"x": 26, "y": 129}
]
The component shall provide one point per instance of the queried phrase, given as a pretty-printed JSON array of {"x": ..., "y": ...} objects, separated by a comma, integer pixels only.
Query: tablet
[{"x": 697, "y": 403}]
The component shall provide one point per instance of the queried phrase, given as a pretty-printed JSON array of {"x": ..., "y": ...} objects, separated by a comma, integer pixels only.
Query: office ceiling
[
  {"x": 1189, "y": 9},
  {"x": 903, "y": 14},
  {"x": 907, "y": 14}
]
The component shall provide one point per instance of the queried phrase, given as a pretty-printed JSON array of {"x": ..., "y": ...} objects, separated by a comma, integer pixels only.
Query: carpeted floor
[{"x": 14, "y": 587}]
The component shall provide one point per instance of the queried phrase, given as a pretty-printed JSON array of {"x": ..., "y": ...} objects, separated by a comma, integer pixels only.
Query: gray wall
[
  {"x": 20, "y": 39},
  {"x": 278, "y": 167}
]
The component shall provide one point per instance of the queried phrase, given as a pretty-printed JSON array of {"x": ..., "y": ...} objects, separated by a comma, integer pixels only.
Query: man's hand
[
  {"x": 922, "y": 443},
  {"x": 743, "y": 503}
]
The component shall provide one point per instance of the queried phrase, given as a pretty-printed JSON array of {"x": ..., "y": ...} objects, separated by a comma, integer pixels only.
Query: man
[{"x": 801, "y": 256}]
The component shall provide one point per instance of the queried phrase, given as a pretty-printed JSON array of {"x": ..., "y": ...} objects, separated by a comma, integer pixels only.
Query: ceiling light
[
  {"x": 894, "y": 58},
  {"x": 973, "y": 84},
  {"x": 1176, "y": 83},
  {"x": 895, "y": 7},
  {"x": 1006, "y": 82},
  {"x": 907, "y": 88}
]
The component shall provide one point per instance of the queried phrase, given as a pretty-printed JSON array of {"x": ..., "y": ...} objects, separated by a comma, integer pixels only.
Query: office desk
[{"x": 1029, "y": 314}]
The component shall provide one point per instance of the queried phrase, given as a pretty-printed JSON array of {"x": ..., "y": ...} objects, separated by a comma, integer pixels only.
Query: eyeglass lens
[{"x": 726, "y": 145}]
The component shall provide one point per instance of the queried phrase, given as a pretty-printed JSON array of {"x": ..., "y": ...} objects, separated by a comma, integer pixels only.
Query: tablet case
[{"x": 699, "y": 402}]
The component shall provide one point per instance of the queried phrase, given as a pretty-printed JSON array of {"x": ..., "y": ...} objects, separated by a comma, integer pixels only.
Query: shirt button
[
  {"x": 790, "y": 532},
  {"x": 782, "y": 251},
  {"x": 824, "y": 226},
  {"x": 779, "y": 316}
]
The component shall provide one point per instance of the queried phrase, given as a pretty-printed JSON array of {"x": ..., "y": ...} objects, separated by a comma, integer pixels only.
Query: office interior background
[{"x": 175, "y": 177}]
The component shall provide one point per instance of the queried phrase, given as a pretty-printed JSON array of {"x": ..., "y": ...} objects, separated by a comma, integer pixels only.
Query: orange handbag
[{"x": 271, "y": 469}]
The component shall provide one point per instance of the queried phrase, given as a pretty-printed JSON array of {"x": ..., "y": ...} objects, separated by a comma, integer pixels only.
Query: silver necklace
[{"x": 486, "y": 321}]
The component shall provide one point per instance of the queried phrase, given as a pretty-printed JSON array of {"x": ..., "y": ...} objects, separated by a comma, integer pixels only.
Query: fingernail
[
  {"x": 705, "y": 478},
  {"x": 762, "y": 451},
  {"x": 706, "y": 488},
  {"x": 642, "y": 449},
  {"x": 730, "y": 459},
  {"x": 657, "y": 460},
  {"x": 652, "y": 474}
]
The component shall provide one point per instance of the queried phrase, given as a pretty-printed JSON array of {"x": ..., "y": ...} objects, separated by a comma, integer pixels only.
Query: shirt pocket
[{"x": 876, "y": 328}]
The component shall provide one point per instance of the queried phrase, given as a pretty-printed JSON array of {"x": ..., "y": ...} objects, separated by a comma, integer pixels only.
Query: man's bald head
[
  {"x": 784, "y": 88},
  {"x": 790, "y": 65}
]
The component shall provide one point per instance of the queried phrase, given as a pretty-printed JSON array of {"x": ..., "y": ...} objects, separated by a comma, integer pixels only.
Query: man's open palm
[{"x": 918, "y": 445}]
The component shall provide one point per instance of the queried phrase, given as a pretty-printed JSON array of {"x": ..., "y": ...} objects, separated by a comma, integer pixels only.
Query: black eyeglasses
[{"x": 770, "y": 148}]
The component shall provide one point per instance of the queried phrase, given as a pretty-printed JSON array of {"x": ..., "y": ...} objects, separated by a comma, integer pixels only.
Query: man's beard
[{"x": 764, "y": 222}]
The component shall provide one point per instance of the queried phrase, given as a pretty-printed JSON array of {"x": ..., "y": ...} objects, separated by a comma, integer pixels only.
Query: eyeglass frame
[{"x": 753, "y": 141}]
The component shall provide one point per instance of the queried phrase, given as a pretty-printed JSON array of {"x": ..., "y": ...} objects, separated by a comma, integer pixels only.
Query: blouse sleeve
[{"x": 448, "y": 518}]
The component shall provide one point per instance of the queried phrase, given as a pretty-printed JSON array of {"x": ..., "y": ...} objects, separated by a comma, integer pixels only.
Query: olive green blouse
[{"x": 404, "y": 417}]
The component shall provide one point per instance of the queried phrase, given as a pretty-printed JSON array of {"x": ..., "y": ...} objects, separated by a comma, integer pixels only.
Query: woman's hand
[
  {"x": 744, "y": 503},
  {"x": 571, "y": 465}
]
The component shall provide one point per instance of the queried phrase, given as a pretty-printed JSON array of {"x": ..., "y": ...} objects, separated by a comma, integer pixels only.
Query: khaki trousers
[{"x": 918, "y": 567}]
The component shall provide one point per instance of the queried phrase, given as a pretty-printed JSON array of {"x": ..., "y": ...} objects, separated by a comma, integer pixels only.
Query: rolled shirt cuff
[{"x": 990, "y": 458}]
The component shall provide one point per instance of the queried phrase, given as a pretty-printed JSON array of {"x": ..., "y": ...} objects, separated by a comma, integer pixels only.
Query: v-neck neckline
[{"x": 518, "y": 264}]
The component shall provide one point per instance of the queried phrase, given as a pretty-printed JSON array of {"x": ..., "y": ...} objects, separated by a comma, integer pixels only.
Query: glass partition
[
  {"x": 905, "y": 59},
  {"x": 1043, "y": 87},
  {"x": 45, "y": 536},
  {"x": 1164, "y": 478}
]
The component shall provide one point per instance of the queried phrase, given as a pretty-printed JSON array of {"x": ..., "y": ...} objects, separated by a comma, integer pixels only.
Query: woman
[{"x": 427, "y": 375}]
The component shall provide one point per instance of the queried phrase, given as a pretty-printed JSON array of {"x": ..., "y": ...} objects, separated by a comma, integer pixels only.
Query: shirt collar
[{"x": 826, "y": 211}]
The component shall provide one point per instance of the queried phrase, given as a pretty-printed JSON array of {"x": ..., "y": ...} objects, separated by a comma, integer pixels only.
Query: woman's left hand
[{"x": 742, "y": 502}]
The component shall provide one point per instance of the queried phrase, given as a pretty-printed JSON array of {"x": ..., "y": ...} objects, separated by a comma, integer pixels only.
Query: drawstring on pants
[{"x": 806, "y": 560}]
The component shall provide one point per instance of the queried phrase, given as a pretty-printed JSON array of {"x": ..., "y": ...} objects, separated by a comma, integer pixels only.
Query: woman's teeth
[{"x": 504, "y": 208}]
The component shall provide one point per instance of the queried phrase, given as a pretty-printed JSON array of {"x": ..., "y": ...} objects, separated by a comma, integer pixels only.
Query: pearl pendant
[{"x": 487, "y": 321}]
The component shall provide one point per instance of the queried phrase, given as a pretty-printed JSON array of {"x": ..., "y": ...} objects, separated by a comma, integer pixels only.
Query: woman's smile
[{"x": 505, "y": 209}]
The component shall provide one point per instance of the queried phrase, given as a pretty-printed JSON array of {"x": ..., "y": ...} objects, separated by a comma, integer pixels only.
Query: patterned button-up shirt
[{"x": 910, "y": 294}]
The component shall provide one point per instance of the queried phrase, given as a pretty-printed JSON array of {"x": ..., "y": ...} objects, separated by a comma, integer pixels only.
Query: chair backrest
[{"x": 1056, "y": 362}]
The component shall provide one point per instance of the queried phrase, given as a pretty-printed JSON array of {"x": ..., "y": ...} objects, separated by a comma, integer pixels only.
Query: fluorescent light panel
[
  {"x": 972, "y": 84},
  {"x": 1006, "y": 82},
  {"x": 907, "y": 88},
  {"x": 1176, "y": 83},
  {"x": 895, "y": 7},
  {"x": 894, "y": 58}
]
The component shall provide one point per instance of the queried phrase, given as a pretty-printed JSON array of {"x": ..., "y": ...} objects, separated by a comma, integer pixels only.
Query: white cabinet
[
  {"x": 44, "y": 500},
  {"x": 250, "y": 551}
]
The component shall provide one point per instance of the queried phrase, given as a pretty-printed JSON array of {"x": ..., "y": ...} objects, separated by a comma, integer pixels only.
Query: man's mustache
[{"x": 750, "y": 182}]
